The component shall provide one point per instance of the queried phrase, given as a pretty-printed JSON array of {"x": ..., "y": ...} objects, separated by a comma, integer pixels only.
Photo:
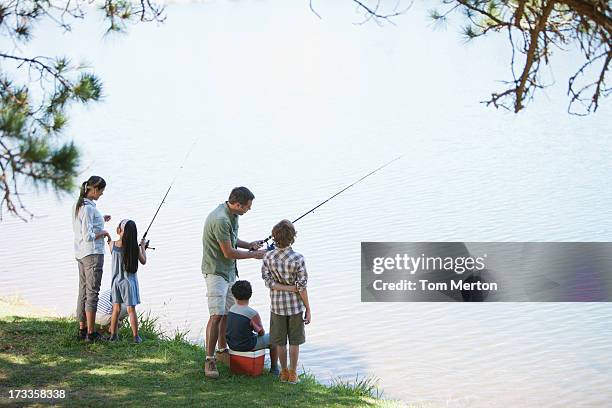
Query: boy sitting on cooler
[{"x": 245, "y": 331}]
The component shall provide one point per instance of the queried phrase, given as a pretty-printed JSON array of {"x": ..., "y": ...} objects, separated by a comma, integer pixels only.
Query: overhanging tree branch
[
  {"x": 533, "y": 47},
  {"x": 543, "y": 26},
  {"x": 32, "y": 121},
  {"x": 592, "y": 10}
]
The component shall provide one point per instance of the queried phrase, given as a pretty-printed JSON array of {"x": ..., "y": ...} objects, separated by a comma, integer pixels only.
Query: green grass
[
  {"x": 365, "y": 386},
  {"x": 43, "y": 353}
]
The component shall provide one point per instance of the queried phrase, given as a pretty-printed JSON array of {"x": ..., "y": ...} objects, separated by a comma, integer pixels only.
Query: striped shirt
[
  {"x": 287, "y": 267},
  {"x": 104, "y": 303}
]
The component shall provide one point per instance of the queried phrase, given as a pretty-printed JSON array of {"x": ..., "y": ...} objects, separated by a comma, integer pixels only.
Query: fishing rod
[
  {"x": 168, "y": 191},
  {"x": 337, "y": 194}
]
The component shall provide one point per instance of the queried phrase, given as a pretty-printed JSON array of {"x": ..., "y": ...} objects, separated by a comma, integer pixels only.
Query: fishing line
[
  {"x": 195, "y": 141},
  {"x": 339, "y": 192}
]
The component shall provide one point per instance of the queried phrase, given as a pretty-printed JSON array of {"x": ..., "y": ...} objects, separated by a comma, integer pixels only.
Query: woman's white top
[{"x": 86, "y": 225}]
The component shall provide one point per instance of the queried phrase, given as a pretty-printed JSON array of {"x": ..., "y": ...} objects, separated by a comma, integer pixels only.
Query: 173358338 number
[{"x": 37, "y": 394}]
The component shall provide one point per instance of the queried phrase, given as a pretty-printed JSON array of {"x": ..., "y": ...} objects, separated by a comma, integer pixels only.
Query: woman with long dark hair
[
  {"x": 89, "y": 233},
  {"x": 127, "y": 253}
]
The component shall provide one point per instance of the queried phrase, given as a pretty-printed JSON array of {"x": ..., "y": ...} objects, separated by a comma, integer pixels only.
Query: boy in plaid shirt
[{"x": 284, "y": 273}]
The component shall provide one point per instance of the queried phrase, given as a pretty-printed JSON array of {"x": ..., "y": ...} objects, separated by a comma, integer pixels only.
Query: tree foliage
[
  {"x": 36, "y": 91},
  {"x": 535, "y": 30}
]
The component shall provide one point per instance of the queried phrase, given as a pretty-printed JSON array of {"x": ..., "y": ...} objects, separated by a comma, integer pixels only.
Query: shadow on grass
[{"x": 45, "y": 354}]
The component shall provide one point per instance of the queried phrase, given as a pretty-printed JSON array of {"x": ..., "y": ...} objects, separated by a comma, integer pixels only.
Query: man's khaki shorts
[
  {"x": 219, "y": 294},
  {"x": 283, "y": 327}
]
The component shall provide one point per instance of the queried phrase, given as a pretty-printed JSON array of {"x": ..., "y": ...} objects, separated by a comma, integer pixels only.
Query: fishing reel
[
  {"x": 147, "y": 242},
  {"x": 270, "y": 244}
]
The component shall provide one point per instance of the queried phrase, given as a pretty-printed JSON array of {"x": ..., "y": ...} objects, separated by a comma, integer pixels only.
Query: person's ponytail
[{"x": 81, "y": 199}]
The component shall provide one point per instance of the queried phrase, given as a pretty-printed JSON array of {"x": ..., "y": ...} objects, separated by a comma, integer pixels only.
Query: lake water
[{"x": 296, "y": 108}]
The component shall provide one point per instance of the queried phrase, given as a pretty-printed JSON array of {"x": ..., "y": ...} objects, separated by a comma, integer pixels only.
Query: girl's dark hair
[
  {"x": 91, "y": 183},
  {"x": 129, "y": 246}
]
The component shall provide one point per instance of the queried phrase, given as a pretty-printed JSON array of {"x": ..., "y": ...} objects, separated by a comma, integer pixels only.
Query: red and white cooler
[{"x": 247, "y": 362}]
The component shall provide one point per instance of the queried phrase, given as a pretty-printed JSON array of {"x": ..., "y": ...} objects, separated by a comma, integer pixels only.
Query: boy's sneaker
[
  {"x": 284, "y": 375},
  {"x": 292, "y": 377},
  {"x": 82, "y": 334},
  {"x": 223, "y": 356},
  {"x": 113, "y": 337},
  {"x": 274, "y": 371},
  {"x": 138, "y": 339},
  {"x": 93, "y": 337},
  {"x": 210, "y": 368}
]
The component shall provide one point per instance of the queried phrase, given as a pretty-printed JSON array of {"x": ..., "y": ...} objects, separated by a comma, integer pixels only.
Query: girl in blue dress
[{"x": 126, "y": 253}]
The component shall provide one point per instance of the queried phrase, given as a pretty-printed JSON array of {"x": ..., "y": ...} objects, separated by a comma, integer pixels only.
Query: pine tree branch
[
  {"x": 599, "y": 83},
  {"x": 482, "y": 11},
  {"x": 41, "y": 66},
  {"x": 374, "y": 12},
  {"x": 533, "y": 47},
  {"x": 591, "y": 10},
  {"x": 518, "y": 15}
]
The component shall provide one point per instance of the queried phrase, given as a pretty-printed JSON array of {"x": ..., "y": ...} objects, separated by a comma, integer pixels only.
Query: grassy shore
[{"x": 43, "y": 353}]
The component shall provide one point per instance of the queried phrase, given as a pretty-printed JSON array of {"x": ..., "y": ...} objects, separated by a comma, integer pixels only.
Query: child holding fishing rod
[
  {"x": 284, "y": 273},
  {"x": 127, "y": 253}
]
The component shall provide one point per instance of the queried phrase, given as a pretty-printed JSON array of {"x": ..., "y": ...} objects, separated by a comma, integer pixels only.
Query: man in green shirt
[{"x": 220, "y": 251}]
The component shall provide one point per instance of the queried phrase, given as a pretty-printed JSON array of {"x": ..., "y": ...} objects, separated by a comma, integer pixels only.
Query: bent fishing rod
[
  {"x": 338, "y": 193},
  {"x": 168, "y": 192}
]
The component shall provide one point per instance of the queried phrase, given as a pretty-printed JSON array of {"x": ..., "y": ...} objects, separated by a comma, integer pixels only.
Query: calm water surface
[{"x": 296, "y": 108}]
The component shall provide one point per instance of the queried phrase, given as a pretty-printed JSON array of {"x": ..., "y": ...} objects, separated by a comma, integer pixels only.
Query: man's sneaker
[
  {"x": 82, "y": 334},
  {"x": 222, "y": 356},
  {"x": 138, "y": 339},
  {"x": 113, "y": 337},
  {"x": 292, "y": 378},
  {"x": 93, "y": 337},
  {"x": 274, "y": 371},
  {"x": 210, "y": 368},
  {"x": 284, "y": 375}
]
